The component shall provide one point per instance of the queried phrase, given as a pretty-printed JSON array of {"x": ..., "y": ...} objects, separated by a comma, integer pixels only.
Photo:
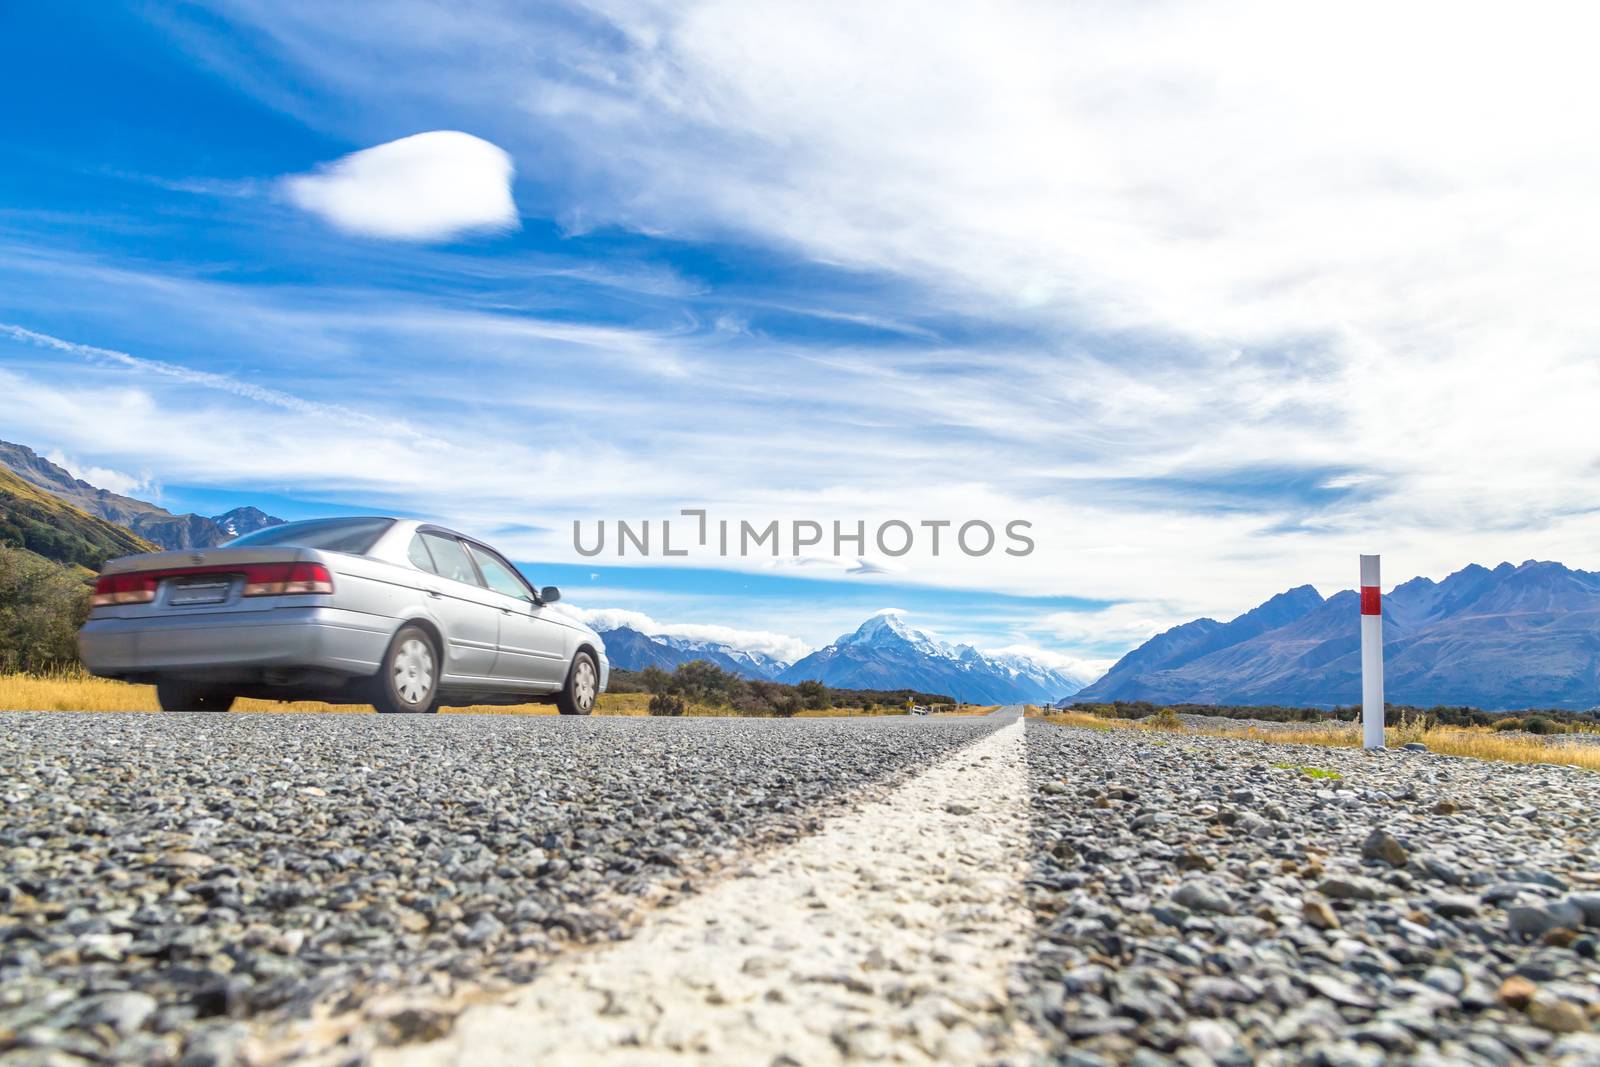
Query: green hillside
[{"x": 33, "y": 519}]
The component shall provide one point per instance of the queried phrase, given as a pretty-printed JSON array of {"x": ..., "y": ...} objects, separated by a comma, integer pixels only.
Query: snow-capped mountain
[
  {"x": 240, "y": 521},
  {"x": 886, "y": 652},
  {"x": 751, "y": 664},
  {"x": 1051, "y": 678},
  {"x": 631, "y": 650}
]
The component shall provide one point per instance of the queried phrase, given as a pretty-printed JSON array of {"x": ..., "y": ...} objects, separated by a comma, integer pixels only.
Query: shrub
[
  {"x": 42, "y": 604},
  {"x": 1538, "y": 724},
  {"x": 1506, "y": 725},
  {"x": 1166, "y": 719},
  {"x": 667, "y": 704},
  {"x": 1412, "y": 727},
  {"x": 654, "y": 680},
  {"x": 813, "y": 694}
]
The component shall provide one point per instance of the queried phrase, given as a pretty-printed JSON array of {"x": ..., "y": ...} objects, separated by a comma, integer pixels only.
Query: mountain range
[
  {"x": 1514, "y": 636},
  {"x": 45, "y": 525},
  {"x": 634, "y": 651},
  {"x": 887, "y": 653},
  {"x": 154, "y": 524},
  {"x": 883, "y": 653}
]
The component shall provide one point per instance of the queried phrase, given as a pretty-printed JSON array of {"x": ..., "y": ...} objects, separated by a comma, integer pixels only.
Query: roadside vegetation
[
  {"x": 702, "y": 688},
  {"x": 697, "y": 688},
  {"x": 1560, "y": 737},
  {"x": 1552, "y": 719},
  {"x": 42, "y": 604}
]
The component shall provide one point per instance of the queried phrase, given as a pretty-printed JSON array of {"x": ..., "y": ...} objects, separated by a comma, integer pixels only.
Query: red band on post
[{"x": 1371, "y": 601}]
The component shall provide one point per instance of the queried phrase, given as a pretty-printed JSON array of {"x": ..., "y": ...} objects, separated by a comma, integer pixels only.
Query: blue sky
[{"x": 1209, "y": 313}]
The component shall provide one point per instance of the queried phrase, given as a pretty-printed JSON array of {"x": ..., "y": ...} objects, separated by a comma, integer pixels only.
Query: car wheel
[
  {"x": 583, "y": 686},
  {"x": 187, "y": 696},
  {"x": 408, "y": 680}
]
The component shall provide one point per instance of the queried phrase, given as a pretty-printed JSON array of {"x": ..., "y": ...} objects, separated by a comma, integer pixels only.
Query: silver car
[{"x": 400, "y": 614}]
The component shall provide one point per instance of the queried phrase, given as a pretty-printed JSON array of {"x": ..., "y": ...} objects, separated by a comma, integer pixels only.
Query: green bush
[
  {"x": 667, "y": 704},
  {"x": 42, "y": 604},
  {"x": 1507, "y": 725},
  {"x": 1538, "y": 724}
]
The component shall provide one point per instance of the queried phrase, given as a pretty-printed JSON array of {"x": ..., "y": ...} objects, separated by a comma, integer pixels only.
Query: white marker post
[{"x": 1371, "y": 655}]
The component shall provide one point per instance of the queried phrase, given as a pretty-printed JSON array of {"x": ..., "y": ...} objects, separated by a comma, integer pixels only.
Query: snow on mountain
[
  {"x": 631, "y": 650},
  {"x": 755, "y": 664},
  {"x": 240, "y": 521},
  {"x": 886, "y": 652}
]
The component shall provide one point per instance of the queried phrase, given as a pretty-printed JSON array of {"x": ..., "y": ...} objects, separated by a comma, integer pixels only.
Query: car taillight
[
  {"x": 123, "y": 589},
  {"x": 283, "y": 579}
]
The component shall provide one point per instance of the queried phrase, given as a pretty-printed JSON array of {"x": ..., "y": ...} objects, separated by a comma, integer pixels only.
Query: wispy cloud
[{"x": 205, "y": 379}]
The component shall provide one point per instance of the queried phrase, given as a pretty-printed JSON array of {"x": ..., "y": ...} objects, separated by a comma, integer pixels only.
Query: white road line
[{"x": 891, "y": 935}]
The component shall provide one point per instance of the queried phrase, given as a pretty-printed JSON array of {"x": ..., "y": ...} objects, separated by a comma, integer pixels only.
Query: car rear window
[
  {"x": 418, "y": 554},
  {"x": 355, "y": 536}
]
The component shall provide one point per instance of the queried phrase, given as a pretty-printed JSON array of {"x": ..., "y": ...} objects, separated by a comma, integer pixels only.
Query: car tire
[
  {"x": 407, "y": 682},
  {"x": 187, "y": 696},
  {"x": 577, "y": 697}
]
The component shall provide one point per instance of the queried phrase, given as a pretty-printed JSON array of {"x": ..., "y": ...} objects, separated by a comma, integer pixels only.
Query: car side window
[
  {"x": 418, "y": 554},
  {"x": 499, "y": 575},
  {"x": 450, "y": 559}
]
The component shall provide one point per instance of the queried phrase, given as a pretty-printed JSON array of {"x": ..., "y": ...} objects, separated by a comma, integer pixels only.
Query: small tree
[
  {"x": 813, "y": 694},
  {"x": 42, "y": 604},
  {"x": 654, "y": 680}
]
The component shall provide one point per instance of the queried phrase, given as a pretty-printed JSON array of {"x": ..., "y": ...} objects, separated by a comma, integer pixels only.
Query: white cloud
[
  {"x": 781, "y": 646},
  {"x": 426, "y": 187},
  {"x": 1126, "y": 624},
  {"x": 116, "y": 481},
  {"x": 1074, "y": 667}
]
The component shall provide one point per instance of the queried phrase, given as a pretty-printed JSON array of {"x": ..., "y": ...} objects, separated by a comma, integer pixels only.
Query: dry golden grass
[
  {"x": 84, "y": 692},
  {"x": 1473, "y": 742},
  {"x": 966, "y": 711}
]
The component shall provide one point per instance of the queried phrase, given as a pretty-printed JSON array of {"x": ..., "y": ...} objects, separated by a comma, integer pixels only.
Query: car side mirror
[{"x": 549, "y": 595}]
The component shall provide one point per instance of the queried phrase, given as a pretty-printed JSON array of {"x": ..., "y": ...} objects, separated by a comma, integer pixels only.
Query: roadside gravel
[
  {"x": 169, "y": 884},
  {"x": 1203, "y": 900}
]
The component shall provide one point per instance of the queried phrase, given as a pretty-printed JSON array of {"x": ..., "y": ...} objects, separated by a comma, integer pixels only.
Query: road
[{"x": 464, "y": 889}]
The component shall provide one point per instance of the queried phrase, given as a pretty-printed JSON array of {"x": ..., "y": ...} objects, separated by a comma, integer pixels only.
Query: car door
[
  {"x": 533, "y": 647},
  {"x": 468, "y": 612}
]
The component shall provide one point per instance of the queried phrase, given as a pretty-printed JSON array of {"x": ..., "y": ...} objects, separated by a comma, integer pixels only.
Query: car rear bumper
[{"x": 246, "y": 644}]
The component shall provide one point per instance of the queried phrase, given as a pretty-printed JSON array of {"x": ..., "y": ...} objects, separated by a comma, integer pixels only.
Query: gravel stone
[{"x": 1384, "y": 848}]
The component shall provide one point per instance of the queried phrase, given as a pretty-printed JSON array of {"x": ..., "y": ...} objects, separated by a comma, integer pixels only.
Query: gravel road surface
[
  {"x": 173, "y": 883},
  {"x": 338, "y": 889},
  {"x": 1203, "y": 900}
]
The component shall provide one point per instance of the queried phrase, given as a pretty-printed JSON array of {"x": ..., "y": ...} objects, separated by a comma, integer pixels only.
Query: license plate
[{"x": 213, "y": 592}]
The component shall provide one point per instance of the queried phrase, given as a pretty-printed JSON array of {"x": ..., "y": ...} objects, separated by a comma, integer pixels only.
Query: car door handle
[
  {"x": 436, "y": 594},
  {"x": 507, "y": 611}
]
